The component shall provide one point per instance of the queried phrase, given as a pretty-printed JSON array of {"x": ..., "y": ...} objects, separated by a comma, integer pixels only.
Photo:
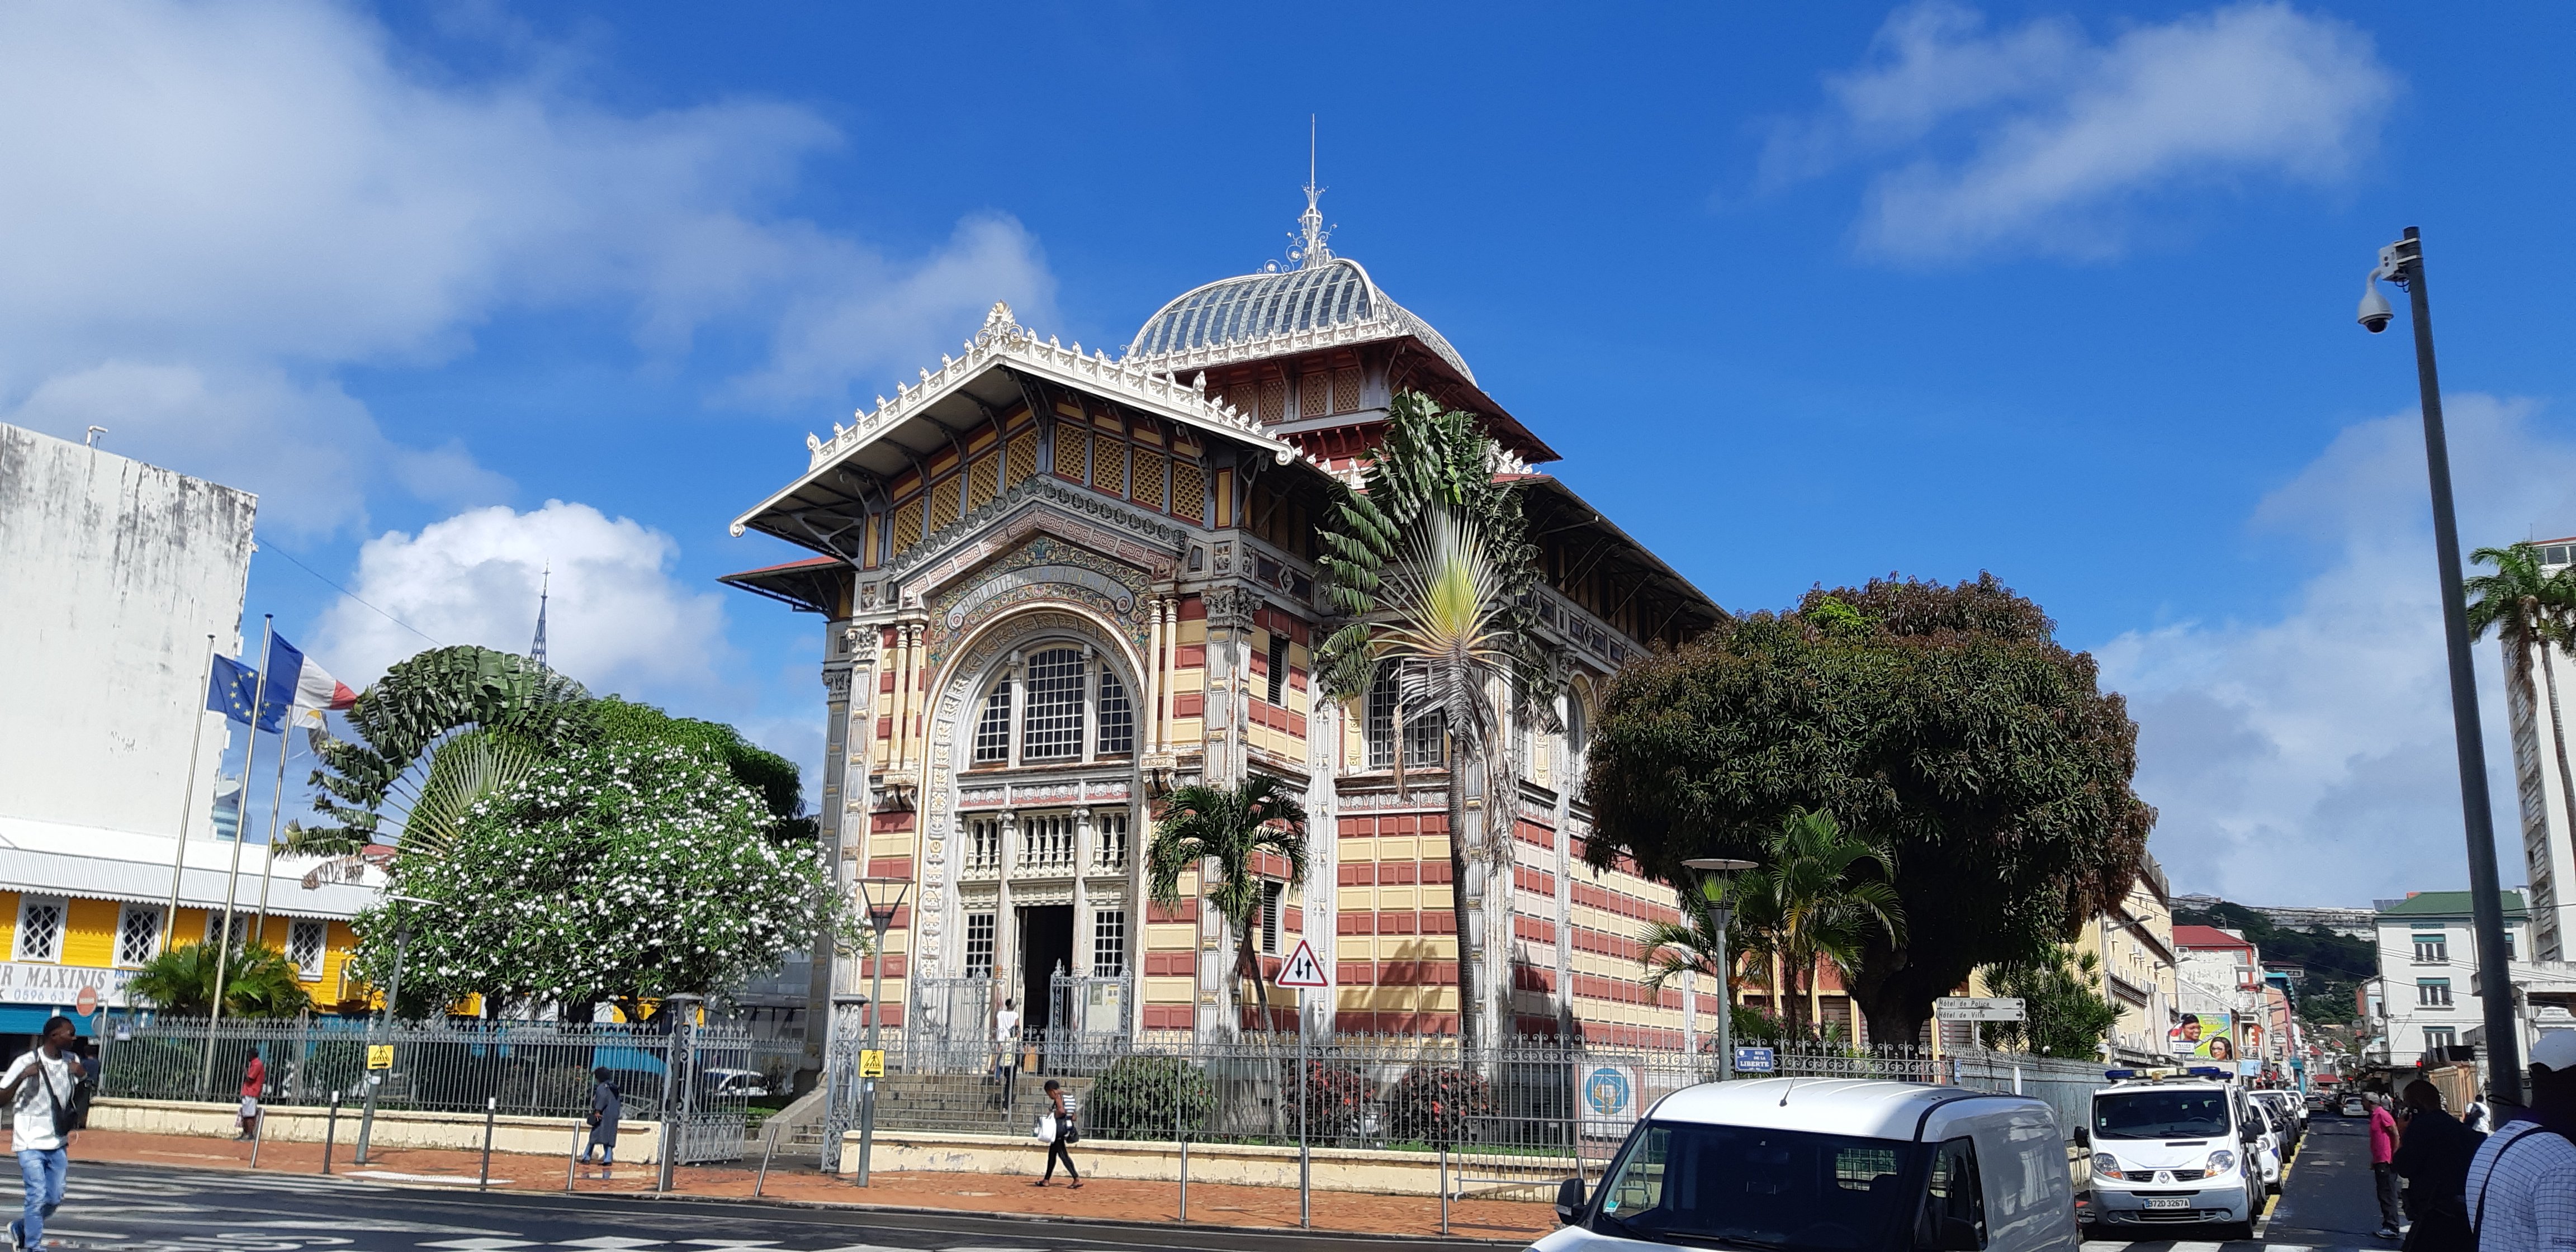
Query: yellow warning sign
[
  {"x": 380, "y": 1056},
  {"x": 871, "y": 1062}
]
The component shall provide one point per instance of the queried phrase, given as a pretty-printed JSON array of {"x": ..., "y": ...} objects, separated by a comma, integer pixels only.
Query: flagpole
[
  {"x": 188, "y": 801},
  {"x": 250, "y": 755},
  {"x": 276, "y": 803}
]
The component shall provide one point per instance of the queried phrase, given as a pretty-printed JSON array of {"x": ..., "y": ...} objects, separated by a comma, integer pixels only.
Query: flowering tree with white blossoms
[{"x": 623, "y": 871}]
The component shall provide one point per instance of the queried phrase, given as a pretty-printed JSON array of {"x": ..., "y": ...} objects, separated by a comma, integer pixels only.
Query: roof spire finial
[{"x": 1311, "y": 251}]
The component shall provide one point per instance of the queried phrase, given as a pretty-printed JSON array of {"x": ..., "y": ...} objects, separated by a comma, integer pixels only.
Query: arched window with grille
[
  {"x": 993, "y": 731},
  {"x": 1053, "y": 731},
  {"x": 1422, "y": 738},
  {"x": 1117, "y": 716}
]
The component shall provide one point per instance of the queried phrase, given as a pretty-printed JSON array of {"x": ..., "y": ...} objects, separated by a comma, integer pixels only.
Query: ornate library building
[{"x": 1057, "y": 583}]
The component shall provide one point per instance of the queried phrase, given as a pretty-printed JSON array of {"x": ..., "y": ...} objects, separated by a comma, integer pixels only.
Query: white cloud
[
  {"x": 262, "y": 192},
  {"x": 617, "y": 620},
  {"x": 2310, "y": 759},
  {"x": 309, "y": 450},
  {"x": 2041, "y": 140}
]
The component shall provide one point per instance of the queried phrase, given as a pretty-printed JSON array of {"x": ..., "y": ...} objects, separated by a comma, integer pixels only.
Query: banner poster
[{"x": 2203, "y": 1035}]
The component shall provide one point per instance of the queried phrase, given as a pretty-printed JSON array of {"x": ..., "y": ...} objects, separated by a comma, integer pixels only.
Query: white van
[
  {"x": 2184, "y": 1150},
  {"x": 1830, "y": 1165}
]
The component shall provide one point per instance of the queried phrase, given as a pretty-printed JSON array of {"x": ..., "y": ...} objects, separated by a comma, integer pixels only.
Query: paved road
[
  {"x": 2326, "y": 1202},
  {"x": 130, "y": 1209}
]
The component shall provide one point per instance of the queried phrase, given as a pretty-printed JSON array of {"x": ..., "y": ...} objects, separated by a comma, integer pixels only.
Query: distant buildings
[
  {"x": 2233, "y": 1009},
  {"x": 114, "y": 574},
  {"x": 2548, "y": 852},
  {"x": 2427, "y": 998},
  {"x": 2134, "y": 942}
]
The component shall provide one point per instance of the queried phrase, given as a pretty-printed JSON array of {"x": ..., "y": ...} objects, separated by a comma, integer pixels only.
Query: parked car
[
  {"x": 2178, "y": 1150},
  {"x": 2289, "y": 1113},
  {"x": 746, "y": 1083},
  {"x": 1831, "y": 1165},
  {"x": 2355, "y": 1106}
]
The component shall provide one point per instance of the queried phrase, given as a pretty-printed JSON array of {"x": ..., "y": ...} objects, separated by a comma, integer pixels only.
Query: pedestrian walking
[
  {"x": 607, "y": 1108},
  {"x": 2433, "y": 1156},
  {"x": 1061, "y": 1107},
  {"x": 2522, "y": 1185},
  {"x": 2383, "y": 1171},
  {"x": 1006, "y": 1039},
  {"x": 42, "y": 1091},
  {"x": 254, "y": 1081}
]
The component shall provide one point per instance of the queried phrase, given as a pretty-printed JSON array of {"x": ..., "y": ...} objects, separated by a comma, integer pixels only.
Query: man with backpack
[
  {"x": 2521, "y": 1189},
  {"x": 45, "y": 1088}
]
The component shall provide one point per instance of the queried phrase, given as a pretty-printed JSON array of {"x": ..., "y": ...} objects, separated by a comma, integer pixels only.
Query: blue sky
[{"x": 2060, "y": 292}]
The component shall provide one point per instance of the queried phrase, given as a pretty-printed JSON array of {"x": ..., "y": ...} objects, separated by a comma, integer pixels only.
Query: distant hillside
[{"x": 2336, "y": 964}]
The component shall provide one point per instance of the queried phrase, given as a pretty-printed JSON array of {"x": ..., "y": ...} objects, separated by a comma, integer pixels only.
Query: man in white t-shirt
[{"x": 39, "y": 1084}]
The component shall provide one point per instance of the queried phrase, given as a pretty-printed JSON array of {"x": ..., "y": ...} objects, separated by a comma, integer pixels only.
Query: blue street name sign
[{"x": 1755, "y": 1061}]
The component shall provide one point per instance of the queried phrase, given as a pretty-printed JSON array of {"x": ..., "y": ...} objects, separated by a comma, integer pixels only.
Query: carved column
[
  {"x": 1149, "y": 736},
  {"x": 1170, "y": 662},
  {"x": 1006, "y": 928},
  {"x": 1082, "y": 846}
]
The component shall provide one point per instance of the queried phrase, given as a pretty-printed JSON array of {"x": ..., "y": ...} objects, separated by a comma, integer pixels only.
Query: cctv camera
[{"x": 2375, "y": 313}]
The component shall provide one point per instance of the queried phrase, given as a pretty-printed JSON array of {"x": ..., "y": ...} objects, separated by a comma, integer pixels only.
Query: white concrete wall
[
  {"x": 113, "y": 573},
  {"x": 2401, "y": 974}
]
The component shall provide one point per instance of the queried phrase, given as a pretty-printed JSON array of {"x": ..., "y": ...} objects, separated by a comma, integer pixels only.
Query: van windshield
[
  {"x": 1736, "y": 1186},
  {"x": 2182, "y": 1113}
]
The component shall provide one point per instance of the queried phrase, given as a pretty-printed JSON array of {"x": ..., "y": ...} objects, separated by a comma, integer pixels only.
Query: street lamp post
[
  {"x": 1721, "y": 911},
  {"x": 2402, "y": 262},
  {"x": 882, "y": 896},
  {"x": 393, "y": 989}
]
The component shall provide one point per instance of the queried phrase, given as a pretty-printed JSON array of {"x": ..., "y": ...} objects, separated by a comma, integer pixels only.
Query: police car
[{"x": 2177, "y": 1148}]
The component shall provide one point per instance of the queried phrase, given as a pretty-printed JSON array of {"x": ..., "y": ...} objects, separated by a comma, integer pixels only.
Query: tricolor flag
[{"x": 295, "y": 686}]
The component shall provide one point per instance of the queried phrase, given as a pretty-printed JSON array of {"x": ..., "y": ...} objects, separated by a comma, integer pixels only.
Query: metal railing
[{"x": 542, "y": 1069}]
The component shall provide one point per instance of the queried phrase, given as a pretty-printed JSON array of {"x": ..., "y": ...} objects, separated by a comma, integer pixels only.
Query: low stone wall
[
  {"x": 1334, "y": 1169},
  {"x": 637, "y": 1142}
]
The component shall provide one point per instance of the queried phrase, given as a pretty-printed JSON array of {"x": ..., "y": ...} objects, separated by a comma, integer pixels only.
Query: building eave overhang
[
  {"x": 809, "y": 585},
  {"x": 1002, "y": 349},
  {"x": 1568, "y": 510}
]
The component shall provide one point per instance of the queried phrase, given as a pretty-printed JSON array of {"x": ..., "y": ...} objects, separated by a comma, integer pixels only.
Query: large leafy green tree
[
  {"x": 1429, "y": 564},
  {"x": 622, "y": 871},
  {"x": 780, "y": 785},
  {"x": 1944, "y": 724},
  {"x": 1223, "y": 831},
  {"x": 2532, "y": 612}
]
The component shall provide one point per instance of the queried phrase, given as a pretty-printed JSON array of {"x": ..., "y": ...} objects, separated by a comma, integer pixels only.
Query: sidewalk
[{"x": 1211, "y": 1204}]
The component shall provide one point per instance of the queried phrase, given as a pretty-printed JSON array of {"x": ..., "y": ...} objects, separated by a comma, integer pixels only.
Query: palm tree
[
  {"x": 2530, "y": 611},
  {"x": 260, "y": 982},
  {"x": 1819, "y": 893},
  {"x": 1231, "y": 827},
  {"x": 1430, "y": 565}
]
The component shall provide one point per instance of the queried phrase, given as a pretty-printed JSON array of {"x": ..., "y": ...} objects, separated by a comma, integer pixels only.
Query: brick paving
[{"x": 1211, "y": 1204}]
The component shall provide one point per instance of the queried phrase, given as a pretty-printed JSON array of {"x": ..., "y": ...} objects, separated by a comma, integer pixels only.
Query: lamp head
[
  {"x": 1717, "y": 864},
  {"x": 2375, "y": 312}
]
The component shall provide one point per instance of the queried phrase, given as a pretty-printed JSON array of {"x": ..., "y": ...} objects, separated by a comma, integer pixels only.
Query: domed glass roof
[{"x": 1332, "y": 294}]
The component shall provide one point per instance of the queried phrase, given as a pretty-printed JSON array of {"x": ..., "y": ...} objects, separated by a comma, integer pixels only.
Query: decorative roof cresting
[{"x": 1325, "y": 302}]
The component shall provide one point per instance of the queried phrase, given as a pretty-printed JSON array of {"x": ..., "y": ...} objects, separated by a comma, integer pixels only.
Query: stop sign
[{"x": 88, "y": 1001}]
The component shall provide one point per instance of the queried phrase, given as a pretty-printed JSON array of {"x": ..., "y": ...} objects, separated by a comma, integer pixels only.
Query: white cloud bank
[
  {"x": 2040, "y": 140},
  {"x": 2310, "y": 759},
  {"x": 617, "y": 620},
  {"x": 212, "y": 206}
]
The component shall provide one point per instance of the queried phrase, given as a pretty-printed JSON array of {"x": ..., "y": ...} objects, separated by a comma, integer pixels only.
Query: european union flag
[{"x": 232, "y": 690}]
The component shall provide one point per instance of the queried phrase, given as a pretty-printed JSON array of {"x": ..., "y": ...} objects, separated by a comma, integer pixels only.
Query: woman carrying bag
[{"x": 1056, "y": 1126}]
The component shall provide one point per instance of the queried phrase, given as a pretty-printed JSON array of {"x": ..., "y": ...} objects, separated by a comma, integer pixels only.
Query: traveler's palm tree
[
  {"x": 1231, "y": 827},
  {"x": 2531, "y": 612},
  {"x": 1429, "y": 565},
  {"x": 500, "y": 713}
]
